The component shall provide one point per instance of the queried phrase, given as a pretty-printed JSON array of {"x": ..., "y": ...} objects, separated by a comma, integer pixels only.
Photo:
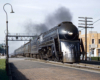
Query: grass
[
  {"x": 95, "y": 58},
  {"x": 3, "y": 74}
]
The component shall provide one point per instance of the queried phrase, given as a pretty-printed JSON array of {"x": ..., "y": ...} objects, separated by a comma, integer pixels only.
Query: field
[{"x": 3, "y": 75}]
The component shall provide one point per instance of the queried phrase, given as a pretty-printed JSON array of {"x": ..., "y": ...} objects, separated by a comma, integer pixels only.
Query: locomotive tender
[{"x": 60, "y": 43}]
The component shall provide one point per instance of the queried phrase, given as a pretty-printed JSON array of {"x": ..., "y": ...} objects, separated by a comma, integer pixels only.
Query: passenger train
[{"x": 60, "y": 43}]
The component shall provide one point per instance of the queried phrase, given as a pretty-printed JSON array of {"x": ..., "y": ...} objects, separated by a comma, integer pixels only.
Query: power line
[{"x": 96, "y": 21}]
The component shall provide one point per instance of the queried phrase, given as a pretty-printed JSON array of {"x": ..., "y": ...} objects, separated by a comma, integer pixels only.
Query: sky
[{"x": 37, "y": 11}]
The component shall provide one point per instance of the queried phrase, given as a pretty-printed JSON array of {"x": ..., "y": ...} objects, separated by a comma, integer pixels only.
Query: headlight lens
[{"x": 67, "y": 32}]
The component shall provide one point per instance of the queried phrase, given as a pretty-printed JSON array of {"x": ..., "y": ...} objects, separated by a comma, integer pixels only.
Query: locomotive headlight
[
  {"x": 67, "y": 32},
  {"x": 64, "y": 32},
  {"x": 70, "y": 33}
]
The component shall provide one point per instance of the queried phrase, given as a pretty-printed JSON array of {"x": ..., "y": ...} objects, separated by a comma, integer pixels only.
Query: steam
[{"x": 60, "y": 15}]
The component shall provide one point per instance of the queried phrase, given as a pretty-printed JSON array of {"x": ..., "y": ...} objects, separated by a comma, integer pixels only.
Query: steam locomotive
[{"x": 60, "y": 43}]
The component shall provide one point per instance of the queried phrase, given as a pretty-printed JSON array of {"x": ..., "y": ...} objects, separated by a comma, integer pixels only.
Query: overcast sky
[{"x": 36, "y": 11}]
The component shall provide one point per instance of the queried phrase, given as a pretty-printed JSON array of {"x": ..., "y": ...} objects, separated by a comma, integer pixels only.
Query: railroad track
[{"x": 76, "y": 65}]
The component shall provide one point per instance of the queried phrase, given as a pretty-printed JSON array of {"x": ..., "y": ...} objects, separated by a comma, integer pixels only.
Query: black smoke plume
[
  {"x": 60, "y": 15},
  {"x": 36, "y": 29}
]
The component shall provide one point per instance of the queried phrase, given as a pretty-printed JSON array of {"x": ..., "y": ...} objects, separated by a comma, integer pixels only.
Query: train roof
[{"x": 54, "y": 28}]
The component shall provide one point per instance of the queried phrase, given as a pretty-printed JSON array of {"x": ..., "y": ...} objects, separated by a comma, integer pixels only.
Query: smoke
[
  {"x": 37, "y": 29},
  {"x": 60, "y": 15}
]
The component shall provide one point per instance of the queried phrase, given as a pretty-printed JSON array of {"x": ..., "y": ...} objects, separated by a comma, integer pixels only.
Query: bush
[{"x": 95, "y": 58}]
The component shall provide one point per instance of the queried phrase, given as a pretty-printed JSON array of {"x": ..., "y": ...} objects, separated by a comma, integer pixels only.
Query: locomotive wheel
[
  {"x": 30, "y": 55},
  {"x": 40, "y": 52},
  {"x": 56, "y": 59},
  {"x": 48, "y": 55},
  {"x": 41, "y": 55},
  {"x": 53, "y": 58},
  {"x": 36, "y": 56}
]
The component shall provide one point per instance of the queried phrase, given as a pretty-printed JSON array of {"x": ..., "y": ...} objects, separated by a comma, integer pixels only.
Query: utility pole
[{"x": 86, "y": 26}]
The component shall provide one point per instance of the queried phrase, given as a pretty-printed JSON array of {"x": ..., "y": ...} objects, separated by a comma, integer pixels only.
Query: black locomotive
[{"x": 60, "y": 43}]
